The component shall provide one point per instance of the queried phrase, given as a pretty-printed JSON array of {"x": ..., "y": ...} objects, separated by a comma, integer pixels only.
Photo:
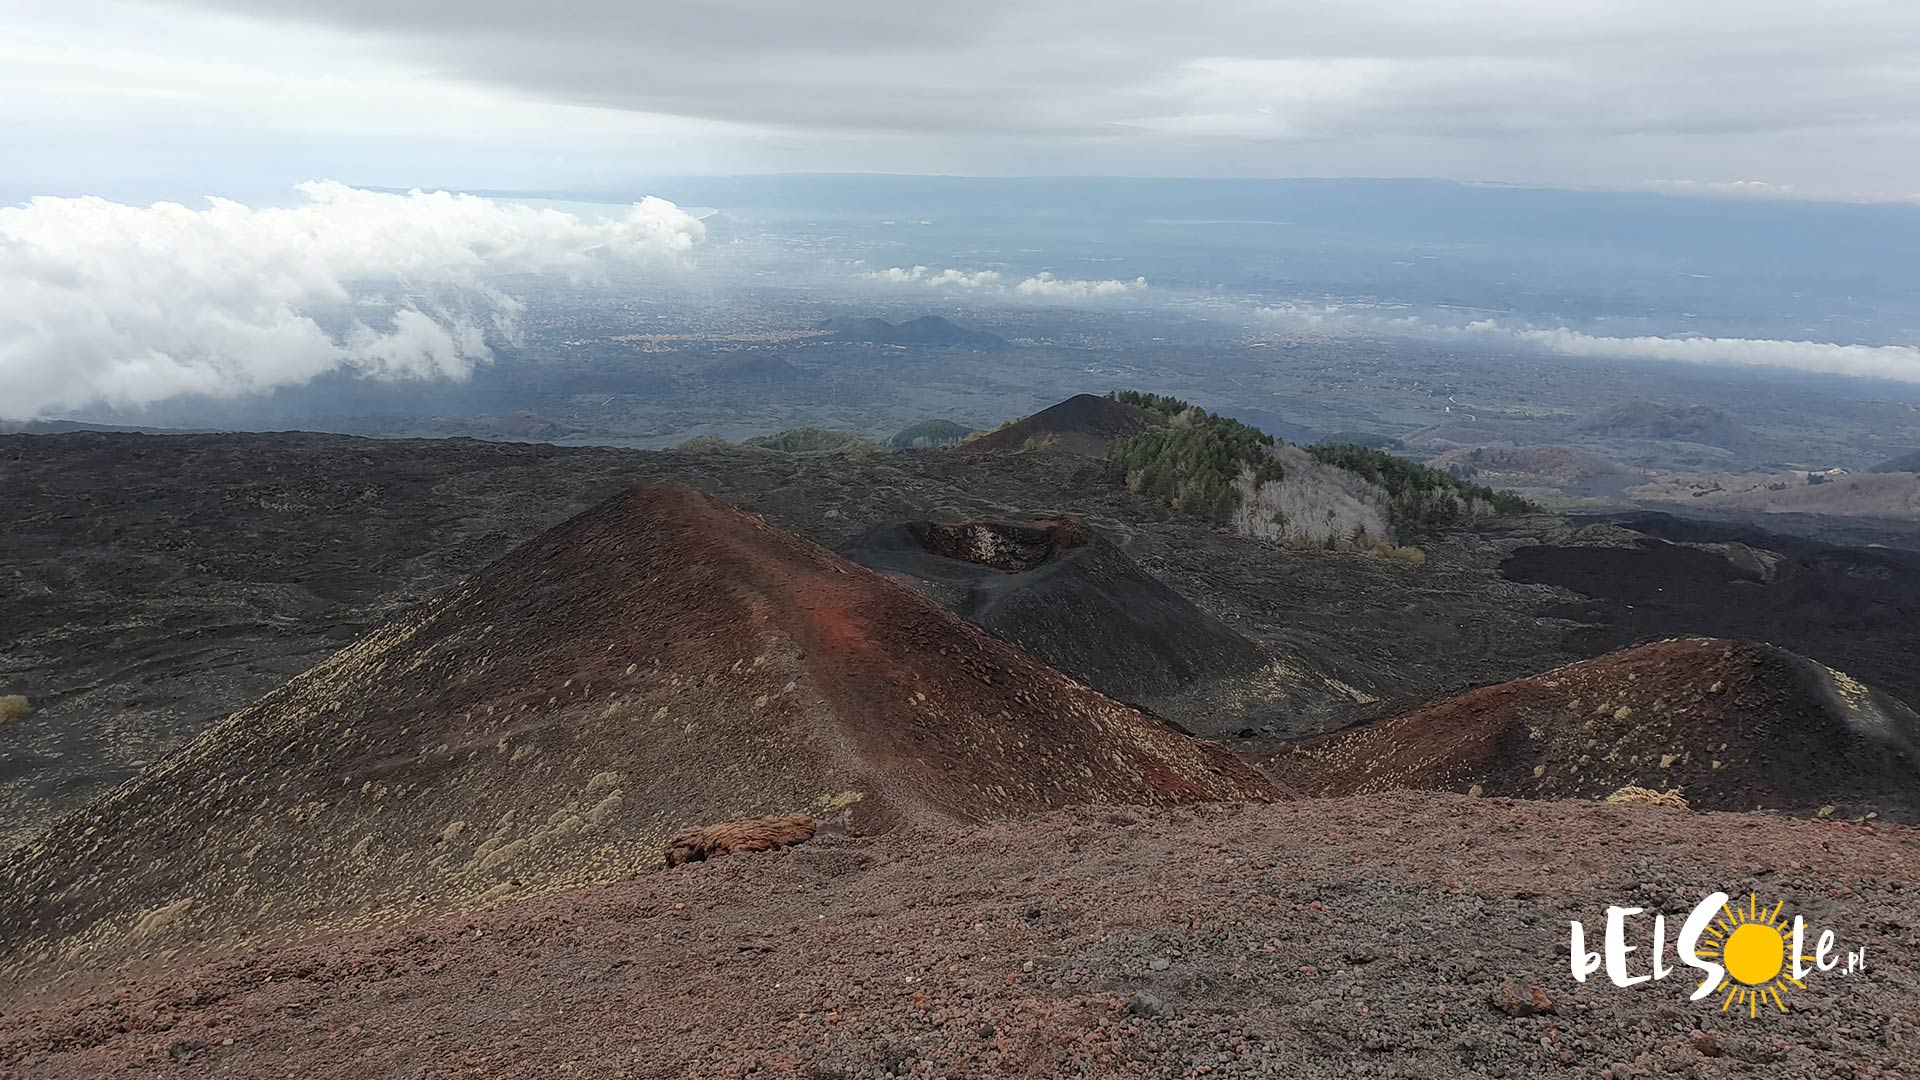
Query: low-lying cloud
[
  {"x": 129, "y": 305},
  {"x": 920, "y": 275},
  {"x": 1898, "y": 362},
  {"x": 1043, "y": 285}
]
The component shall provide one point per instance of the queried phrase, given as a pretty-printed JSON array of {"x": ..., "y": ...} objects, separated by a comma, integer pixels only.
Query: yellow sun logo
[{"x": 1752, "y": 946}]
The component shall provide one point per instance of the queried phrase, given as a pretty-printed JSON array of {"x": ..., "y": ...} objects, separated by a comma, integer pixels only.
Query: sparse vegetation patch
[
  {"x": 813, "y": 440},
  {"x": 1331, "y": 495}
]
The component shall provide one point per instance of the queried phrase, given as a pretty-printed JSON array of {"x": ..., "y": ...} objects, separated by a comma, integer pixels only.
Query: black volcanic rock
[
  {"x": 1856, "y": 609},
  {"x": 928, "y": 331},
  {"x": 1084, "y": 424},
  {"x": 1064, "y": 594}
]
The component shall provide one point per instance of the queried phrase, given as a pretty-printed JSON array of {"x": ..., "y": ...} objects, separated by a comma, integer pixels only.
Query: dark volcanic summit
[
  {"x": 660, "y": 661},
  {"x": 1085, "y": 424},
  {"x": 1067, "y": 596},
  {"x": 1730, "y": 725}
]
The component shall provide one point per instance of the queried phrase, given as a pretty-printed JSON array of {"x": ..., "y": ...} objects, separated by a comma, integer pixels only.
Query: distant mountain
[
  {"x": 928, "y": 331},
  {"x": 1640, "y": 419},
  {"x": 1084, "y": 424}
]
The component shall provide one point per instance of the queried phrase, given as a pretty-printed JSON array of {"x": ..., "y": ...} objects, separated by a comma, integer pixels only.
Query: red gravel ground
[{"x": 1392, "y": 935}]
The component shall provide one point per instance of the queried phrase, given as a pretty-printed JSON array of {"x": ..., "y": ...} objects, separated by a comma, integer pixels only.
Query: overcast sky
[{"x": 249, "y": 96}]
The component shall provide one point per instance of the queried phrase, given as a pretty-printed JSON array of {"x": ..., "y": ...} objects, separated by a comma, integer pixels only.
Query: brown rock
[
  {"x": 1513, "y": 1001},
  {"x": 740, "y": 835}
]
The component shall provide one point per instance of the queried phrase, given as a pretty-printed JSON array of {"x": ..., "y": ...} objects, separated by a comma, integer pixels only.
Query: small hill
[
  {"x": 813, "y": 440},
  {"x": 929, "y": 433},
  {"x": 750, "y": 368},
  {"x": 1563, "y": 468},
  {"x": 1459, "y": 432},
  {"x": 658, "y": 662},
  {"x": 1067, "y": 596},
  {"x": 1640, "y": 419},
  {"x": 928, "y": 331},
  {"x": 1732, "y": 725},
  {"x": 1085, "y": 425},
  {"x": 1332, "y": 495},
  {"x": 1905, "y": 463},
  {"x": 529, "y": 425}
]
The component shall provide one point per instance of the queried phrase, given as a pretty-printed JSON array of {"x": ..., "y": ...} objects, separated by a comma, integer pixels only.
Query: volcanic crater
[{"x": 1071, "y": 598}]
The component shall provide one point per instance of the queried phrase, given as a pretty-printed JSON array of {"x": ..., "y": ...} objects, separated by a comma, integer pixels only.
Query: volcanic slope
[
  {"x": 660, "y": 661},
  {"x": 1067, "y": 596},
  {"x": 1731, "y": 725},
  {"x": 1385, "y": 937},
  {"x": 1084, "y": 424}
]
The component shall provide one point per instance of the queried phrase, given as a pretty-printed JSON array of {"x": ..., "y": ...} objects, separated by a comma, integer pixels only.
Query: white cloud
[
  {"x": 1752, "y": 189},
  {"x": 128, "y": 305},
  {"x": 1043, "y": 285},
  {"x": 920, "y": 275},
  {"x": 1898, "y": 362}
]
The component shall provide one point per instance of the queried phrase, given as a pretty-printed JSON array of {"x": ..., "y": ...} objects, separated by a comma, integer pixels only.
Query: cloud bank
[
  {"x": 1901, "y": 362},
  {"x": 1043, "y": 285},
  {"x": 1897, "y": 362},
  {"x": 102, "y": 302},
  {"x": 1820, "y": 96}
]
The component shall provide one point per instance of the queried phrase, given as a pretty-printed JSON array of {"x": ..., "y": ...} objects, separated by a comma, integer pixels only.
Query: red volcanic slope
[
  {"x": 1733, "y": 725},
  {"x": 1404, "y": 935},
  {"x": 659, "y": 662}
]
